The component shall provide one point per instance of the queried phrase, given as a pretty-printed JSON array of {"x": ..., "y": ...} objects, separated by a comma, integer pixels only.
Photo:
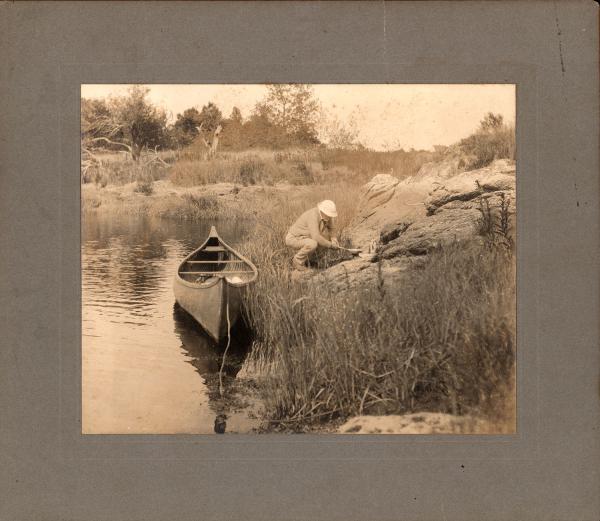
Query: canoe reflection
[{"x": 206, "y": 356}]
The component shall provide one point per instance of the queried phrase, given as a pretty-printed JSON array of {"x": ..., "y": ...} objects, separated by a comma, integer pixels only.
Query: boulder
[
  {"x": 499, "y": 176},
  {"x": 376, "y": 193},
  {"x": 438, "y": 170},
  {"x": 425, "y": 234},
  {"x": 407, "y": 219},
  {"x": 416, "y": 423},
  {"x": 380, "y": 209}
]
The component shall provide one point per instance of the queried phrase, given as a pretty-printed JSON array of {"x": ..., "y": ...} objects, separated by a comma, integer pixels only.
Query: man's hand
[{"x": 335, "y": 243}]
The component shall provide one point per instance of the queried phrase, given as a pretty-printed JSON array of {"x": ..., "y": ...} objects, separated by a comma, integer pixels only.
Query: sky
[{"x": 388, "y": 116}]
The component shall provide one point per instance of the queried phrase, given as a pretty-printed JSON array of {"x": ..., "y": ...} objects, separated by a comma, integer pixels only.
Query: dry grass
[{"x": 297, "y": 166}]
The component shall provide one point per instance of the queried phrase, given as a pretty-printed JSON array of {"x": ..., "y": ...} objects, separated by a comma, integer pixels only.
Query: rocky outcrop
[
  {"x": 430, "y": 209},
  {"x": 407, "y": 219}
]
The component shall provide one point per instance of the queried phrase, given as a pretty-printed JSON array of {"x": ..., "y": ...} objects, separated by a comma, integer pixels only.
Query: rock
[
  {"x": 376, "y": 193},
  {"x": 391, "y": 231},
  {"x": 431, "y": 232},
  {"x": 407, "y": 219},
  {"x": 439, "y": 170},
  {"x": 403, "y": 203},
  {"x": 469, "y": 185},
  {"x": 416, "y": 423},
  {"x": 351, "y": 275}
]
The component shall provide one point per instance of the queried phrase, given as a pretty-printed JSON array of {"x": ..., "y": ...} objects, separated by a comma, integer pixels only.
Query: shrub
[
  {"x": 495, "y": 223},
  {"x": 304, "y": 174},
  {"x": 493, "y": 140},
  {"x": 144, "y": 187},
  {"x": 250, "y": 172}
]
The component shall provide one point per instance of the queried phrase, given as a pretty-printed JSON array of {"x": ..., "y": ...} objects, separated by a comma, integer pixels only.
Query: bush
[
  {"x": 304, "y": 174},
  {"x": 144, "y": 187},
  {"x": 493, "y": 140}
]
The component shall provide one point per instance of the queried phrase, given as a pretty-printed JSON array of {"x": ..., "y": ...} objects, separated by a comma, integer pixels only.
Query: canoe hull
[{"x": 210, "y": 305}]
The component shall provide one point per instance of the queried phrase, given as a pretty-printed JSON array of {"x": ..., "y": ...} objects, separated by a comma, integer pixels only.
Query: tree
[
  {"x": 293, "y": 108},
  {"x": 261, "y": 131},
  {"x": 338, "y": 134},
  {"x": 95, "y": 119},
  {"x": 210, "y": 117},
  {"x": 233, "y": 130},
  {"x": 491, "y": 122},
  {"x": 140, "y": 124},
  {"x": 185, "y": 128},
  {"x": 236, "y": 116}
]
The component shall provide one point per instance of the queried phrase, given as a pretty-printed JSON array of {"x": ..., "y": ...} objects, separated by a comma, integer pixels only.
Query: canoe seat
[{"x": 214, "y": 248}]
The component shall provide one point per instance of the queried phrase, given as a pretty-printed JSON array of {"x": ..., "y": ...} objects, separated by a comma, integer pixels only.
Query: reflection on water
[{"x": 147, "y": 366}]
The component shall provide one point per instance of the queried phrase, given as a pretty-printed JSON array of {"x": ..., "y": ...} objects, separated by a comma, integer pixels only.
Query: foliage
[
  {"x": 293, "y": 108},
  {"x": 337, "y": 134},
  {"x": 124, "y": 122},
  {"x": 144, "y": 187},
  {"x": 492, "y": 140},
  {"x": 250, "y": 171},
  {"x": 210, "y": 117},
  {"x": 185, "y": 129},
  {"x": 494, "y": 223}
]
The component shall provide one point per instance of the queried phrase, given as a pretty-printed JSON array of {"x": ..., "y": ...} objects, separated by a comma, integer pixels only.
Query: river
[{"x": 147, "y": 367}]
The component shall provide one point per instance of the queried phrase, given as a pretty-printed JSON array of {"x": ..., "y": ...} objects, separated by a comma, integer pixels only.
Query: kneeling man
[{"x": 313, "y": 229}]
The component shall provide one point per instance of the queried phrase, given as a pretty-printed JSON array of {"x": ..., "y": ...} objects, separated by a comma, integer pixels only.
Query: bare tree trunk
[
  {"x": 215, "y": 142},
  {"x": 136, "y": 151}
]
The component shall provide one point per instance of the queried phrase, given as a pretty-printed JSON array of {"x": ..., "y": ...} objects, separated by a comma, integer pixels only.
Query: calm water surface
[{"x": 147, "y": 366}]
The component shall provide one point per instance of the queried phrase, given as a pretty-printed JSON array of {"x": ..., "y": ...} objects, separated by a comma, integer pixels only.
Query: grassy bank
[
  {"x": 444, "y": 341},
  {"x": 188, "y": 167}
]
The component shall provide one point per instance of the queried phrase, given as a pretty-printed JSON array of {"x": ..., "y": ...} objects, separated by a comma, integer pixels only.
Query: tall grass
[
  {"x": 114, "y": 169},
  {"x": 442, "y": 340},
  {"x": 248, "y": 170},
  {"x": 367, "y": 163},
  {"x": 297, "y": 166}
]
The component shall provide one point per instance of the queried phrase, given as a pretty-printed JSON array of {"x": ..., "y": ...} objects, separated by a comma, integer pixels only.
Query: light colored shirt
[{"x": 310, "y": 224}]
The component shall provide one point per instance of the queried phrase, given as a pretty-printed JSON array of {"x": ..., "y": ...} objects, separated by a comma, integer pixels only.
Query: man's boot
[{"x": 299, "y": 265}]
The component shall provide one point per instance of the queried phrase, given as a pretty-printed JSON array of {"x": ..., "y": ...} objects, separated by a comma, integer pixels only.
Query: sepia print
[{"x": 298, "y": 258}]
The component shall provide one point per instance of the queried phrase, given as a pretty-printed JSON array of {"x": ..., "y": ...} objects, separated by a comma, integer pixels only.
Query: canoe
[{"x": 210, "y": 282}]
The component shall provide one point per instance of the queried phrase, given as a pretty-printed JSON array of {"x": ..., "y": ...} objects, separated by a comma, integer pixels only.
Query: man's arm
[{"x": 313, "y": 228}]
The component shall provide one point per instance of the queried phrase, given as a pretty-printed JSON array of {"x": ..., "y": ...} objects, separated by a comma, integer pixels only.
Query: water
[{"x": 147, "y": 366}]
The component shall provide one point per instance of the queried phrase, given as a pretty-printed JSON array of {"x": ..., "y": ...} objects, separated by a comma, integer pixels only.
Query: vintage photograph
[{"x": 298, "y": 258}]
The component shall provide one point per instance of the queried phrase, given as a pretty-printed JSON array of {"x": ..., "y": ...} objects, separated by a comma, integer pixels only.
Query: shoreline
[
  {"x": 170, "y": 201},
  {"x": 426, "y": 229}
]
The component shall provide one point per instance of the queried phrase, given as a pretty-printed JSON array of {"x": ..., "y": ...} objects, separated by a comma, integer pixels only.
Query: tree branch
[{"x": 111, "y": 142}]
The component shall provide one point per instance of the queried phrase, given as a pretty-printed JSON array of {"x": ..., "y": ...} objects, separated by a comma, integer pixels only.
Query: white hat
[{"x": 328, "y": 208}]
